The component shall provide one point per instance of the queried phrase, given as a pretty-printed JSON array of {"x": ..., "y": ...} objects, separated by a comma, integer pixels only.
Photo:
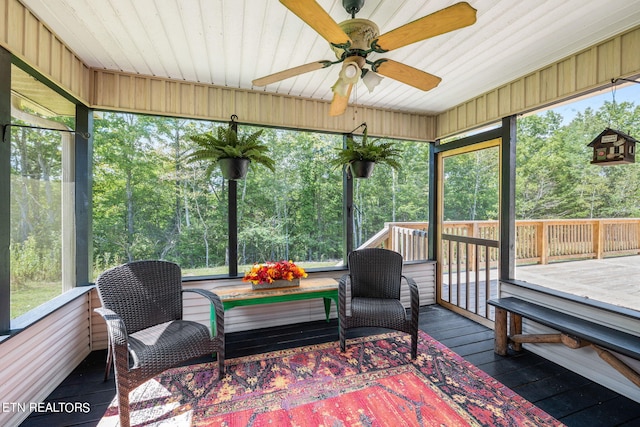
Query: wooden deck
[
  {"x": 612, "y": 280},
  {"x": 569, "y": 397}
]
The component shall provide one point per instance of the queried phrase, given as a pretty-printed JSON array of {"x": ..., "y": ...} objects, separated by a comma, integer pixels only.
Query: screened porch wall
[{"x": 32, "y": 42}]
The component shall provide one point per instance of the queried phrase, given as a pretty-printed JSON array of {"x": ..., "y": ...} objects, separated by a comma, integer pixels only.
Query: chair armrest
[
  {"x": 414, "y": 294},
  {"x": 216, "y": 304},
  {"x": 115, "y": 326},
  {"x": 343, "y": 283},
  {"x": 118, "y": 338}
]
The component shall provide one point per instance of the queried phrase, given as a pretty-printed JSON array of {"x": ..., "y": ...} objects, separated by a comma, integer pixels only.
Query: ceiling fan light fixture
[
  {"x": 349, "y": 75},
  {"x": 371, "y": 80},
  {"x": 351, "y": 71}
]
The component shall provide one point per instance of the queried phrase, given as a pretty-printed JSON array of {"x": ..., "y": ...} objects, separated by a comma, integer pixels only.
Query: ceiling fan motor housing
[
  {"x": 361, "y": 32},
  {"x": 352, "y": 6}
]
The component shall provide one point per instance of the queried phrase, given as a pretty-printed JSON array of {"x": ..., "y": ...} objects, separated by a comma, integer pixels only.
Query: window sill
[{"x": 21, "y": 323}]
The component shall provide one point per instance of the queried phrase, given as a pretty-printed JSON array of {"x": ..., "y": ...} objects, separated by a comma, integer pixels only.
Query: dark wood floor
[{"x": 569, "y": 397}]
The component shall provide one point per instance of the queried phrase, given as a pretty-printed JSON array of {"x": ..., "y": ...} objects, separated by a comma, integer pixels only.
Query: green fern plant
[
  {"x": 225, "y": 144},
  {"x": 366, "y": 150}
]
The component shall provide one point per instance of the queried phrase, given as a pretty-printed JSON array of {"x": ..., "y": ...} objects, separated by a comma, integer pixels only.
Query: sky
[{"x": 626, "y": 93}]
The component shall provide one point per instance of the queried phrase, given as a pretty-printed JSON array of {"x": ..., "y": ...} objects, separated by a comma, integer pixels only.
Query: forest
[{"x": 149, "y": 202}]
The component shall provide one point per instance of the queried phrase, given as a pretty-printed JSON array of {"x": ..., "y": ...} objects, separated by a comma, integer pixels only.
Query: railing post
[
  {"x": 598, "y": 238},
  {"x": 474, "y": 233},
  {"x": 637, "y": 237},
  {"x": 542, "y": 231}
]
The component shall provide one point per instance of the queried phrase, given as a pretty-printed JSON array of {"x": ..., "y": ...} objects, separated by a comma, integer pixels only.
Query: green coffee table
[{"x": 243, "y": 295}]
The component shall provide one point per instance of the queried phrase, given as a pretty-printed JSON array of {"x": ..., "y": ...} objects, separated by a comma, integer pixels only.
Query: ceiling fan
[{"x": 354, "y": 39}]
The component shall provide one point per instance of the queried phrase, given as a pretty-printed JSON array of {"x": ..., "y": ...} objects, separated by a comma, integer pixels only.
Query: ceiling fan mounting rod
[{"x": 352, "y": 6}]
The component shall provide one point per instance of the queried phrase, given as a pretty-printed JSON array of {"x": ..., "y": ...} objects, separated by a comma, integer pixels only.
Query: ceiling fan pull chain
[{"x": 355, "y": 104}]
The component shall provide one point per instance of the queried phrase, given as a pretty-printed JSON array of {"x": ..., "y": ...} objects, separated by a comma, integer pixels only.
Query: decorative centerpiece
[{"x": 281, "y": 274}]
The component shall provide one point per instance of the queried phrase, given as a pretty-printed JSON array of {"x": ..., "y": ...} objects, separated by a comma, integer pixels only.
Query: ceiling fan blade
[
  {"x": 340, "y": 102},
  {"x": 448, "y": 19},
  {"x": 406, "y": 74},
  {"x": 291, "y": 72},
  {"x": 318, "y": 19}
]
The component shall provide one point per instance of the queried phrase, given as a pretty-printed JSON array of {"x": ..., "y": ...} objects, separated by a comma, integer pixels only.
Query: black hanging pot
[
  {"x": 234, "y": 167},
  {"x": 362, "y": 168}
]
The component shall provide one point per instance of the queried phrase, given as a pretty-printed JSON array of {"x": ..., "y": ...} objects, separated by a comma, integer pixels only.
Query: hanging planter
[
  {"x": 362, "y": 168},
  {"x": 361, "y": 157},
  {"x": 231, "y": 152},
  {"x": 234, "y": 168}
]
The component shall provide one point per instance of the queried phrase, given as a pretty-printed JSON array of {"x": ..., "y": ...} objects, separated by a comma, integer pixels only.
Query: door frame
[{"x": 506, "y": 135}]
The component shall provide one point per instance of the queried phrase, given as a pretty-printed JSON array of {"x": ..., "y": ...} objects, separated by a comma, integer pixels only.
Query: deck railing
[
  {"x": 470, "y": 252},
  {"x": 537, "y": 241}
]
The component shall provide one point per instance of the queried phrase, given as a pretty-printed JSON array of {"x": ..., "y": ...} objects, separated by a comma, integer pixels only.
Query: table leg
[{"x": 327, "y": 307}]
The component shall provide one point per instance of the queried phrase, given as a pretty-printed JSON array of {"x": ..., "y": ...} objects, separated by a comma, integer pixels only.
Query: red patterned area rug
[{"x": 375, "y": 383}]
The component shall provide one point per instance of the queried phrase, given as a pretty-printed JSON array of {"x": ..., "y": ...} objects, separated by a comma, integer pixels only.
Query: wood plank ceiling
[{"x": 231, "y": 42}]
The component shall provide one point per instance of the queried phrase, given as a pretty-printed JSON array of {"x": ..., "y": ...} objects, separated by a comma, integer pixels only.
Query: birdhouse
[{"x": 613, "y": 147}]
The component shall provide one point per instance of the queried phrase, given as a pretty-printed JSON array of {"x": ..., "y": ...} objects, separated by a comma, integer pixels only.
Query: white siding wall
[
  {"x": 34, "y": 362},
  {"x": 584, "y": 361}
]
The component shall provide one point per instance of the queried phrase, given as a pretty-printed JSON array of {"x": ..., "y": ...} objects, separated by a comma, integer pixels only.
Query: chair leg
[
  {"x": 343, "y": 339},
  {"x": 123, "y": 407},
  {"x": 107, "y": 368},
  {"x": 414, "y": 344},
  {"x": 220, "y": 364}
]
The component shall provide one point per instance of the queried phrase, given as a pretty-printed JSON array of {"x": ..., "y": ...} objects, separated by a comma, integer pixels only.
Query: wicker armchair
[
  {"x": 375, "y": 279},
  {"x": 142, "y": 305}
]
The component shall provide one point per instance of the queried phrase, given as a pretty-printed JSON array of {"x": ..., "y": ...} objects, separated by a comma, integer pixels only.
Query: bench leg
[
  {"x": 501, "y": 339},
  {"x": 515, "y": 328},
  {"x": 618, "y": 365}
]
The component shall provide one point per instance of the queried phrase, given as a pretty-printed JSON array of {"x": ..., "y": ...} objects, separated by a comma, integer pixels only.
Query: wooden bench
[{"x": 574, "y": 333}]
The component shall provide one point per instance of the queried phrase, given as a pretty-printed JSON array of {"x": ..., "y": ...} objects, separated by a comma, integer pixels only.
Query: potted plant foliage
[
  {"x": 362, "y": 156},
  {"x": 232, "y": 152}
]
